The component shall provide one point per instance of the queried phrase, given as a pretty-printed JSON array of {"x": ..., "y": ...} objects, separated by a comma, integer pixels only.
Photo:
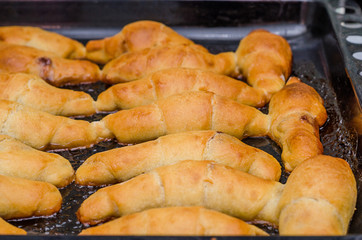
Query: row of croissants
[{"x": 184, "y": 115}]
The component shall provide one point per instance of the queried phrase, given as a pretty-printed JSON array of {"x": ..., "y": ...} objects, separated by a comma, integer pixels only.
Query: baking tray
[{"x": 322, "y": 57}]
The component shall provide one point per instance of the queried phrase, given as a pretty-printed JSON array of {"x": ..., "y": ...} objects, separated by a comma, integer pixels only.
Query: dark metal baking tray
[{"x": 322, "y": 58}]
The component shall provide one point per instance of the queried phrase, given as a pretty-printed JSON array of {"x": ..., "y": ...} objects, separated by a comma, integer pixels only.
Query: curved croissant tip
[{"x": 293, "y": 80}]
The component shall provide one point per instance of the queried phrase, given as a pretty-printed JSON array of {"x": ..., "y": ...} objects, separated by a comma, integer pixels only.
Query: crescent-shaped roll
[
  {"x": 265, "y": 60},
  {"x": 31, "y": 90},
  {"x": 55, "y": 70},
  {"x": 8, "y": 229},
  {"x": 319, "y": 198},
  {"x": 20, "y": 160},
  {"x": 42, "y": 130},
  {"x": 164, "y": 83},
  {"x": 121, "y": 164},
  {"x": 135, "y": 65},
  {"x": 134, "y": 37},
  {"x": 187, "y": 183},
  {"x": 21, "y": 198},
  {"x": 44, "y": 40},
  {"x": 176, "y": 221},
  {"x": 296, "y": 113},
  {"x": 187, "y": 112}
]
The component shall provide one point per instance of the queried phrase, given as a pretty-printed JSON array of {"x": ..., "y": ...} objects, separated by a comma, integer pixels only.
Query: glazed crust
[
  {"x": 135, "y": 36},
  {"x": 188, "y": 183},
  {"x": 21, "y": 198},
  {"x": 176, "y": 221},
  {"x": 296, "y": 114},
  {"x": 121, "y": 164},
  {"x": 8, "y": 229},
  {"x": 135, "y": 65},
  {"x": 164, "y": 83},
  {"x": 265, "y": 60},
  {"x": 20, "y": 160},
  {"x": 55, "y": 70},
  {"x": 33, "y": 91},
  {"x": 43, "y": 40},
  {"x": 187, "y": 112},
  {"x": 42, "y": 130},
  {"x": 318, "y": 198}
]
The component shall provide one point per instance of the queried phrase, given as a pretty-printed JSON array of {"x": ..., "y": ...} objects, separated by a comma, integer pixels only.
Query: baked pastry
[
  {"x": 20, "y": 160},
  {"x": 318, "y": 198},
  {"x": 55, "y": 70},
  {"x": 135, "y": 65},
  {"x": 33, "y": 91},
  {"x": 44, "y": 40},
  {"x": 8, "y": 229},
  {"x": 188, "y": 183},
  {"x": 21, "y": 198},
  {"x": 296, "y": 114},
  {"x": 133, "y": 37},
  {"x": 176, "y": 221},
  {"x": 164, "y": 83},
  {"x": 187, "y": 112},
  {"x": 42, "y": 130},
  {"x": 121, "y": 164},
  {"x": 265, "y": 60}
]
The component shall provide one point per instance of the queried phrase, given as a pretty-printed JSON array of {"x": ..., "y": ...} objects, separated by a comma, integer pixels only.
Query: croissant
[
  {"x": 20, "y": 160},
  {"x": 318, "y": 198},
  {"x": 44, "y": 40},
  {"x": 42, "y": 130},
  {"x": 8, "y": 229},
  {"x": 164, "y": 83},
  {"x": 121, "y": 164},
  {"x": 135, "y": 65},
  {"x": 133, "y": 37},
  {"x": 188, "y": 183},
  {"x": 186, "y": 112},
  {"x": 296, "y": 114},
  {"x": 21, "y": 198},
  {"x": 33, "y": 91},
  {"x": 265, "y": 60},
  {"x": 176, "y": 221},
  {"x": 55, "y": 70}
]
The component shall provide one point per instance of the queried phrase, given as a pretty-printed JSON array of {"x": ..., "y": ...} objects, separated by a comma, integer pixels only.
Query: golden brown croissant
[
  {"x": 56, "y": 70},
  {"x": 20, "y": 160},
  {"x": 318, "y": 198},
  {"x": 187, "y": 112},
  {"x": 33, "y": 91},
  {"x": 44, "y": 40},
  {"x": 42, "y": 130},
  {"x": 21, "y": 198},
  {"x": 135, "y": 65},
  {"x": 265, "y": 60},
  {"x": 164, "y": 83},
  {"x": 187, "y": 183},
  {"x": 121, "y": 164},
  {"x": 133, "y": 37},
  {"x": 296, "y": 113},
  {"x": 176, "y": 221},
  {"x": 8, "y": 229}
]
